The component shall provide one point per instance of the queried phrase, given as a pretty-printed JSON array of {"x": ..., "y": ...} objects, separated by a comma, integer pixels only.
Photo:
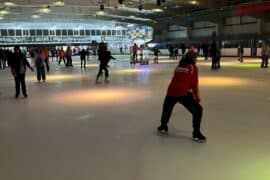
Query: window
[
  {"x": 25, "y": 32},
  {"x": 109, "y": 32},
  {"x": 76, "y": 32},
  {"x": 70, "y": 32},
  {"x": 11, "y": 32},
  {"x": 98, "y": 32},
  {"x": 118, "y": 32},
  {"x": 52, "y": 32},
  {"x": 32, "y": 32},
  {"x": 45, "y": 32},
  {"x": 3, "y": 32},
  {"x": 18, "y": 32},
  {"x": 124, "y": 32},
  {"x": 64, "y": 32},
  {"x": 39, "y": 32},
  {"x": 87, "y": 32},
  {"x": 93, "y": 32},
  {"x": 58, "y": 32},
  {"x": 113, "y": 32},
  {"x": 82, "y": 32},
  {"x": 103, "y": 33}
]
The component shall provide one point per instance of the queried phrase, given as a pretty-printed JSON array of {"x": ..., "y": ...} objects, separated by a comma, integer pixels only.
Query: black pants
[
  {"x": 156, "y": 59},
  {"x": 103, "y": 67},
  {"x": 41, "y": 73},
  {"x": 189, "y": 103},
  {"x": 214, "y": 62},
  {"x": 83, "y": 62},
  {"x": 20, "y": 80},
  {"x": 47, "y": 64},
  {"x": 69, "y": 61},
  {"x": 264, "y": 61},
  {"x": 60, "y": 59}
]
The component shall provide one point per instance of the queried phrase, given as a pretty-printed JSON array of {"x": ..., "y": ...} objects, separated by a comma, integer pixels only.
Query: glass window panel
[
  {"x": 58, "y": 32},
  {"x": 3, "y": 32},
  {"x": 98, "y": 32},
  {"x": 64, "y": 32},
  {"x": 45, "y": 32},
  {"x": 11, "y": 32},
  {"x": 70, "y": 32},
  {"x": 32, "y": 32},
  {"x": 82, "y": 32},
  {"x": 113, "y": 32},
  {"x": 18, "y": 32},
  {"x": 87, "y": 32},
  {"x": 39, "y": 32},
  {"x": 93, "y": 32}
]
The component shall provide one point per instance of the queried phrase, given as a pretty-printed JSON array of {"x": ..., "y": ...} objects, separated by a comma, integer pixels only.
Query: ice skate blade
[{"x": 199, "y": 140}]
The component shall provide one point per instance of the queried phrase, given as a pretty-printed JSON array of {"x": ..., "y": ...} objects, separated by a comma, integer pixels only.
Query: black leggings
[
  {"x": 189, "y": 103},
  {"x": 20, "y": 80},
  {"x": 103, "y": 67}
]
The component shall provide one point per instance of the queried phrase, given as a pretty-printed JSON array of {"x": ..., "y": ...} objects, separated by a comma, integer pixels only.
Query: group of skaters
[
  {"x": 17, "y": 61},
  {"x": 140, "y": 54}
]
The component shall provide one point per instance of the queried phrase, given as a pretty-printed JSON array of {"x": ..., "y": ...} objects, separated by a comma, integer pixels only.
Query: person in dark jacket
[
  {"x": 104, "y": 56},
  {"x": 241, "y": 53},
  {"x": 83, "y": 54},
  {"x": 214, "y": 51},
  {"x": 18, "y": 69},
  {"x": 184, "y": 90}
]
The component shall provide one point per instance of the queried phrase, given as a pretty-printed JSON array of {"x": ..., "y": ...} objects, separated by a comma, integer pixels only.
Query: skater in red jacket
[{"x": 184, "y": 90}]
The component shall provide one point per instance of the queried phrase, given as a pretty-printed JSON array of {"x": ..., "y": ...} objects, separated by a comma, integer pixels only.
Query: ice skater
[
  {"x": 104, "y": 56},
  {"x": 184, "y": 90}
]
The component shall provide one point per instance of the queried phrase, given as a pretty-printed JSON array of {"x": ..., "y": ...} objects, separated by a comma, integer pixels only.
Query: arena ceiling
[{"x": 88, "y": 10}]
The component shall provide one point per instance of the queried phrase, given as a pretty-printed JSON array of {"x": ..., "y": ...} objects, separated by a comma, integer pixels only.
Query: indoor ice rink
[
  {"x": 71, "y": 128},
  {"x": 75, "y": 126}
]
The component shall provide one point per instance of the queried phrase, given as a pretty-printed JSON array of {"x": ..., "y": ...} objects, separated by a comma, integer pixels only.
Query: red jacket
[{"x": 185, "y": 80}]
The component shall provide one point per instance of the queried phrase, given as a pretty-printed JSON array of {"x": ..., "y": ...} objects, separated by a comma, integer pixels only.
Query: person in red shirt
[{"x": 184, "y": 90}]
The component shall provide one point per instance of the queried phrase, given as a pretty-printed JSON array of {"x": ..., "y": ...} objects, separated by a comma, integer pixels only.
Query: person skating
[
  {"x": 265, "y": 54},
  {"x": 18, "y": 69},
  {"x": 104, "y": 56},
  {"x": 83, "y": 54},
  {"x": 40, "y": 65},
  {"x": 184, "y": 90}
]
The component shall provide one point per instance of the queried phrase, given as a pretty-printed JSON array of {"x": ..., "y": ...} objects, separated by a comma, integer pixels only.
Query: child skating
[{"x": 184, "y": 89}]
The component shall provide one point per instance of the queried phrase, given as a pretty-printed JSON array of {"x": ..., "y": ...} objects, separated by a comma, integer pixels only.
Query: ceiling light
[
  {"x": 130, "y": 25},
  {"x": 132, "y": 16},
  {"x": 45, "y": 10},
  {"x": 100, "y": 13},
  {"x": 35, "y": 16},
  {"x": 59, "y": 3},
  {"x": 4, "y": 11},
  {"x": 157, "y": 10},
  {"x": 8, "y": 3},
  {"x": 1, "y": 17},
  {"x": 194, "y": 2}
]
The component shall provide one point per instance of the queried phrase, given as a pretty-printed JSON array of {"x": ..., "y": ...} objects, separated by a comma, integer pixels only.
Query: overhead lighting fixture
[
  {"x": 4, "y": 12},
  {"x": 132, "y": 16},
  {"x": 1, "y": 17},
  {"x": 8, "y": 3},
  {"x": 45, "y": 10},
  {"x": 100, "y": 13},
  {"x": 59, "y": 3},
  {"x": 157, "y": 10},
  {"x": 130, "y": 25},
  {"x": 194, "y": 2},
  {"x": 35, "y": 16}
]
